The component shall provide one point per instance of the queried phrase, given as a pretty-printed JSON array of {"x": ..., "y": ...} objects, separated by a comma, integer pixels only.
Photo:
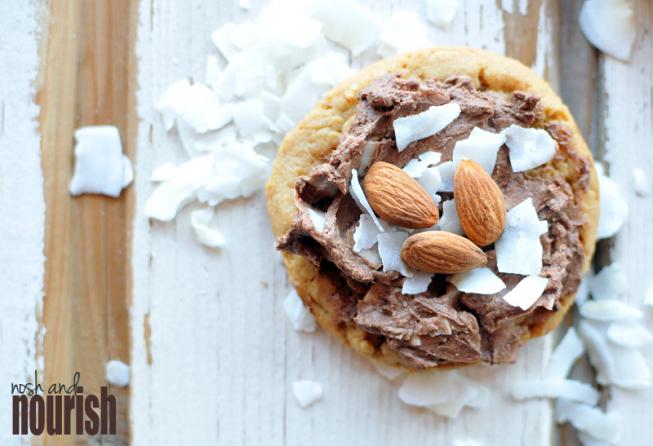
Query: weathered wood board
[{"x": 212, "y": 356}]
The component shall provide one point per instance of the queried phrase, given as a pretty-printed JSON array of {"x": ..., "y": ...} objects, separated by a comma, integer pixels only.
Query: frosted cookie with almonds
[{"x": 436, "y": 209}]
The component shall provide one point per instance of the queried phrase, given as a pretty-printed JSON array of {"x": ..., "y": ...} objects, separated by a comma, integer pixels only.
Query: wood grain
[
  {"x": 212, "y": 354},
  {"x": 87, "y": 64}
]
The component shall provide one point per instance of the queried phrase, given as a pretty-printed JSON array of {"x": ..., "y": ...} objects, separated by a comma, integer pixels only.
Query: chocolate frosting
[{"x": 442, "y": 325}]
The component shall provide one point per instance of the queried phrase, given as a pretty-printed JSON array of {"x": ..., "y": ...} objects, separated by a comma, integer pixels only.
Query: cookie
[{"x": 314, "y": 215}]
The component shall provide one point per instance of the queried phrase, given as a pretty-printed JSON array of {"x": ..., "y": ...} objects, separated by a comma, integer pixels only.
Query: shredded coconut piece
[
  {"x": 590, "y": 420},
  {"x": 529, "y": 147},
  {"x": 526, "y": 292},
  {"x": 477, "y": 281},
  {"x": 481, "y": 146},
  {"x": 441, "y": 12},
  {"x": 629, "y": 334},
  {"x": 610, "y": 26},
  {"x": 418, "y": 282},
  {"x": 519, "y": 250},
  {"x": 446, "y": 174},
  {"x": 609, "y": 310},
  {"x": 422, "y": 125},
  {"x": 430, "y": 180},
  {"x": 318, "y": 219},
  {"x": 299, "y": 317},
  {"x": 390, "y": 251},
  {"x": 556, "y": 388},
  {"x": 365, "y": 234},
  {"x": 100, "y": 166},
  {"x": 565, "y": 355},
  {"x": 163, "y": 173},
  {"x": 200, "y": 220},
  {"x": 359, "y": 197},
  {"x": 117, "y": 373},
  {"x": 449, "y": 221},
  {"x": 404, "y": 31},
  {"x": 307, "y": 392},
  {"x": 613, "y": 208}
]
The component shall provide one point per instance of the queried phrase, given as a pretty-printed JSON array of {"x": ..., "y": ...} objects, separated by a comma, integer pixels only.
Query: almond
[
  {"x": 479, "y": 202},
  {"x": 441, "y": 252},
  {"x": 397, "y": 198}
]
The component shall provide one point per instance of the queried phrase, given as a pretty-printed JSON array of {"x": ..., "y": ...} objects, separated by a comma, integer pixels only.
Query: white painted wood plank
[
  {"x": 628, "y": 143},
  {"x": 22, "y": 203},
  {"x": 222, "y": 356}
]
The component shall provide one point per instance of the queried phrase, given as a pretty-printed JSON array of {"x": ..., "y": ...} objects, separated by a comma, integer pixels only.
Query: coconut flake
[
  {"x": 608, "y": 310},
  {"x": 372, "y": 257},
  {"x": 318, "y": 218},
  {"x": 629, "y": 334},
  {"x": 590, "y": 420},
  {"x": 417, "y": 166},
  {"x": 176, "y": 192},
  {"x": 422, "y": 125},
  {"x": 609, "y": 283},
  {"x": 430, "y": 180},
  {"x": 163, "y": 173},
  {"x": 447, "y": 171},
  {"x": 117, "y": 373},
  {"x": 361, "y": 200},
  {"x": 610, "y": 26},
  {"x": 404, "y": 31},
  {"x": 194, "y": 104},
  {"x": 526, "y": 292},
  {"x": 251, "y": 120},
  {"x": 529, "y": 147},
  {"x": 556, "y": 388},
  {"x": 481, "y": 146},
  {"x": 100, "y": 166},
  {"x": 613, "y": 208},
  {"x": 426, "y": 389},
  {"x": 599, "y": 352},
  {"x": 348, "y": 24},
  {"x": 565, "y": 355},
  {"x": 418, "y": 283},
  {"x": 441, "y": 12},
  {"x": 366, "y": 233},
  {"x": 477, "y": 281},
  {"x": 387, "y": 371},
  {"x": 200, "y": 220},
  {"x": 390, "y": 251},
  {"x": 519, "y": 250},
  {"x": 641, "y": 183},
  {"x": 367, "y": 154},
  {"x": 449, "y": 221},
  {"x": 299, "y": 317},
  {"x": 307, "y": 392},
  {"x": 237, "y": 171},
  {"x": 630, "y": 369}
]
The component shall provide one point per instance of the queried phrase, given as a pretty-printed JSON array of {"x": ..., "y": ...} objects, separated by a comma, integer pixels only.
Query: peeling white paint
[{"x": 22, "y": 202}]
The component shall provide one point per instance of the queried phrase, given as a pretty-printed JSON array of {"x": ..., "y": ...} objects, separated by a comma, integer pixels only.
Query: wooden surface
[
  {"x": 212, "y": 356},
  {"x": 87, "y": 61}
]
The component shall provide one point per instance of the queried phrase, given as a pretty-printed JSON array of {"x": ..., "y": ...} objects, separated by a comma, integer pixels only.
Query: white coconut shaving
[
  {"x": 629, "y": 334},
  {"x": 441, "y": 12},
  {"x": 641, "y": 183},
  {"x": 180, "y": 189},
  {"x": 372, "y": 257},
  {"x": 403, "y": 31},
  {"x": 597, "y": 348},
  {"x": 348, "y": 24},
  {"x": 526, "y": 292},
  {"x": 417, "y": 283},
  {"x": 367, "y": 154},
  {"x": 449, "y": 221},
  {"x": 297, "y": 314},
  {"x": 357, "y": 193},
  {"x": 387, "y": 371},
  {"x": 208, "y": 235},
  {"x": 430, "y": 180},
  {"x": 390, "y": 251},
  {"x": 422, "y": 125},
  {"x": 528, "y": 147},
  {"x": 477, "y": 281},
  {"x": 608, "y": 310},
  {"x": 613, "y": 208},
  {"x": 481, "y": 146},
  {"x": 556, "y": 388},
  {"x": 609, "y": 283},
  {"x": 365, "y": 234},
  {"x": 447, "y": 172},
  {"x": 519, "y": 250},
  {"x": 444, "y": 392},
  {"x": 163, "y": 173},
  {"x": 603, "y": 426},
  {"x": 318, "y": 218},
  {"x": 610, "y": 26},
  {"x": 307, "y": 392},
  {"x": 565, "y": 355},
  {"x": 117, "y": 373},
  {"x": 100, "y": 166},
  {"x": 417, "y": 166}
]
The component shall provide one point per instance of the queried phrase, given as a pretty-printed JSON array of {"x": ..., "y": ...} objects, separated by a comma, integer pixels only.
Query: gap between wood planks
[{"x": 87, "y": 78}]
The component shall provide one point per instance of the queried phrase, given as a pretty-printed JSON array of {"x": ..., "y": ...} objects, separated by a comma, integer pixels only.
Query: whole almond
[
  {"x": 397, "y": 198},
  {"x": 479, "y": 203},
  {"x": 441, "y": 252}
]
